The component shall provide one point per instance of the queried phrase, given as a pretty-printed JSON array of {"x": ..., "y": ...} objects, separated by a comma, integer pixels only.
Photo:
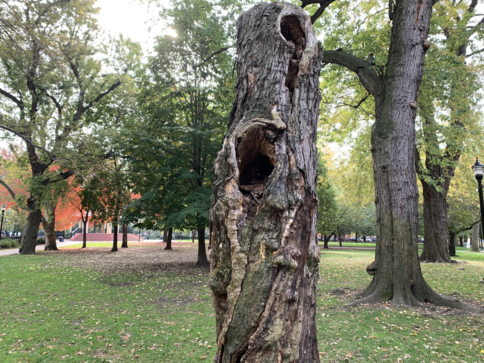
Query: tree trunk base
[
  {"x": 168, "y": 248},
  {"x": 410, "y": 297},
  {"x": 205, "y": 263},
  {"x": 51, "y": 248}
]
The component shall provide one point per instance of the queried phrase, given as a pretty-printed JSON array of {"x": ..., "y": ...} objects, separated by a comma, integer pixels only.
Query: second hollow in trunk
[{"x": 264, "y": 255}]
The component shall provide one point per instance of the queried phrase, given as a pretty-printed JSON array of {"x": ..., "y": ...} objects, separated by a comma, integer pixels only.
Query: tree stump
[{"x": 264, "y": 260}]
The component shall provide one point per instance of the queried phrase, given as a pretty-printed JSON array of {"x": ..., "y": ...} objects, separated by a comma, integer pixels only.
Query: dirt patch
[{"x": 142, "y": 260}]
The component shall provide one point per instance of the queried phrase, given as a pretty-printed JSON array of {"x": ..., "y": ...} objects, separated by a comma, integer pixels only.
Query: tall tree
[
  {"x": 185, "y": 98},
  {"x": 448, "y": 116},
  {"x": 394, "y": 88},
  {"x": 52, "y": 77}
]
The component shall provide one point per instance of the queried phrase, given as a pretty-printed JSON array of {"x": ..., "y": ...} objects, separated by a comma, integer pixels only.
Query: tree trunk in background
[
  {"x": 193, "y": 236},
  {"x": 48, "y": 223},
  {"x": 461, "y": 242},
  {"x": 32, "y": 229},
  {"x": 397, "y": 275},
  {"x": 125, "y": 236},
  {"x": 326, "y": 240},
  {"x": 452, "y": 244},
  {"x": 340, "y": 240},
  {"x": 115, "y": 238},
  {"x": 435, "y": 248},
  {"x": 168, "y": 239},
  {"x": 165, "y": 236},
  {"x": 475, "y": 238},
  {"x": 84, "y": 232},
  {"x": 264, "y": 260},
  {"x": 202, "y": 251},
  {"x": 22, "y": 238}
]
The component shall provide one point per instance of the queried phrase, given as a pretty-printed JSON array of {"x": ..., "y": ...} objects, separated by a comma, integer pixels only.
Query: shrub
[{"x": 8, "y": 243}]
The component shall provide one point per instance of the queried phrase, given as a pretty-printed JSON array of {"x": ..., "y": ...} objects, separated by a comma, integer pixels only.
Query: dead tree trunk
[{"x": 265, "y": 258}]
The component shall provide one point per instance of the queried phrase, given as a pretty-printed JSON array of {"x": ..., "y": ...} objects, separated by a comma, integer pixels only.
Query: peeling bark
[{"x": 264, "y": 260}]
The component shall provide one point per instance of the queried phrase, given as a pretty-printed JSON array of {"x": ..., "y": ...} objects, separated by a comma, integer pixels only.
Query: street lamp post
[
  {"x": 478, "y": 170},
  {"x": 1, "y": 223}
]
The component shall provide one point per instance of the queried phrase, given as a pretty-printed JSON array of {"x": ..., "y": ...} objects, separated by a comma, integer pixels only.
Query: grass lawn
[{"x": 150, "y": 305}]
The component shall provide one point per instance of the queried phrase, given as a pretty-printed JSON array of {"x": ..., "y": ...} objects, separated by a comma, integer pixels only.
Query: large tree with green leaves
[
  {"x": 184, "y": 100},
  {"x": 53, "y": 76}
]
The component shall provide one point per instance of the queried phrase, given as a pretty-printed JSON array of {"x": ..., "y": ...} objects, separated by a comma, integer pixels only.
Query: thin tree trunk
[
  {"x": 264, "y": 257},
  {"x": 435, "y": 248},
  {"x": 193, "y": 236},
  {"x": 84, "y": 232},
  {"x": 125, "y": 236},
  {"x": 169, "y": 238},
  {"x": 202, "y": 252},
  {"x": 461, "y": 242},
  {"x": 475, "y": 238},
  {"x": 326, "y": 240},
  {"x": 165, "y": 236},
  {"x": 115, "y": 238},
  {"x": 340, "y": 240}
]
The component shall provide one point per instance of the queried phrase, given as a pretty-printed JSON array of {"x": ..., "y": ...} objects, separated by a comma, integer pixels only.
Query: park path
[{"x": 14, "y": 251}]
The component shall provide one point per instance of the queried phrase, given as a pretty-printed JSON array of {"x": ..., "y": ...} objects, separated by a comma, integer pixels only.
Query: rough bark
[
  {"x": 435, "y": 248},
  {"x": 48, "y": 223},
  {"x": 264, "y": 260},
  {"x": 475, "y": 238},
  {"x": 168, "y": 239},
  {"x": 125, "y": 236}
]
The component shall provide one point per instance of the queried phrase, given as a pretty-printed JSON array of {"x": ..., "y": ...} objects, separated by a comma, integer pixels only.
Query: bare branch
[
  {"x": 9, "y": 190},
  {"x": 28, "y": 140},
  {"x": 12, "y": 97},
  {"x": 474, "y": 53},
  {"x": 323, "y": 4},
  {"x": 212, "y": 55},
  {"x": 101, "y": 95},
  {"x": 367, "y": 75}
]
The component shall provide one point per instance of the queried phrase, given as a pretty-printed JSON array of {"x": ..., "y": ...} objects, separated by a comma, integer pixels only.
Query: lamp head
[
  {"x": 4, "y": 207},
  {"x": 478, "y": 169}
]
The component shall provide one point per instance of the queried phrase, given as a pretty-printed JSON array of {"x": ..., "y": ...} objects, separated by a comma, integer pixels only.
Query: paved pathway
[{"x": 14, "y": 251}]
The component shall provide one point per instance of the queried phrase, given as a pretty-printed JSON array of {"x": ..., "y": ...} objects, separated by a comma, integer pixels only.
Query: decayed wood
[{"x": 264, "y": 260}]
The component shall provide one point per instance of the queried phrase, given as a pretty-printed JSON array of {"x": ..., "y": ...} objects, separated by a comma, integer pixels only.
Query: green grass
[{"x": 53, "y": 312}]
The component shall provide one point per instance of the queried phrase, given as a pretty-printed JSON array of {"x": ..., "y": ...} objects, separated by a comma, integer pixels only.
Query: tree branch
[
  {"x": 12, "y": 97},
  {"x": 323, "y": 4},
  {"x": 474, "y": 53},
  {"x": 10, "y": 190},
  {"x": 212, "y": 55},
  {"x": 28, "y": 140},
  {"x": 367, "y": 75},
  {"x": 101, "y": 95}
]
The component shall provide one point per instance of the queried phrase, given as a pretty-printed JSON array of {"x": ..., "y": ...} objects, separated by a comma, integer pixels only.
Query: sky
[{"x": 132, "y": 18}]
